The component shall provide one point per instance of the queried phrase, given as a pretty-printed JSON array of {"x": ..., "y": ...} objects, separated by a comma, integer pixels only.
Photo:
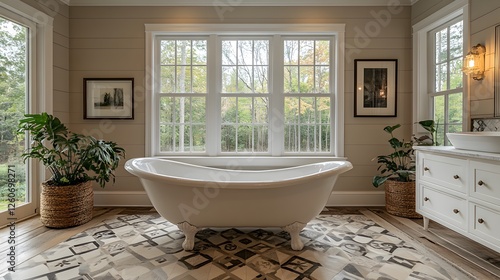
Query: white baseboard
[
  {"x": 140, "y": 199},
  {"x": 121, "y": 199}
]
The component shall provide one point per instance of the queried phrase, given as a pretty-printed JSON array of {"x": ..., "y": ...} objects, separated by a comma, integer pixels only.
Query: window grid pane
[
  {"x": 245, "y": 66},
  {"x": 307, "y": 124},
  {"x": 448, "y": 107},
  {"x": 243, "y": 122},
  {"x": 307, "y": 118},
  {"x": 302, "y": 73},
  {"x": 183, "y": 72},
  {"x": 183, "y": 66},
  {"x": 182, "y": 124}
]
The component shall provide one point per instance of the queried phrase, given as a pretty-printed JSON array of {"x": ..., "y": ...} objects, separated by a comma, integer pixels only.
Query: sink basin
[{"x": 476, "y": 141}]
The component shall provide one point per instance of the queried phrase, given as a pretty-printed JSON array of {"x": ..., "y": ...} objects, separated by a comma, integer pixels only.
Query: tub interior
[{"x": 246, "y": 174}]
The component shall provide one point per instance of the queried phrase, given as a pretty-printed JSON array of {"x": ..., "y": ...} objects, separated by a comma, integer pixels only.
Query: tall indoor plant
[
  {"x": 74, "y": 161},
  {"x": 397, "y": 174}
]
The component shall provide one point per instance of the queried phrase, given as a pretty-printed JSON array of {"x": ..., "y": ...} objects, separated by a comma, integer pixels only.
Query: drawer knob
[
  {"x": 456, "y": 177},
  {"x": 455, "y": 211},
  {"x": 426, "y": 169},
  {"x": 480, "y": 221},
  {"x": 480, "y": 183},
  {"x": 426, "y": 198}
]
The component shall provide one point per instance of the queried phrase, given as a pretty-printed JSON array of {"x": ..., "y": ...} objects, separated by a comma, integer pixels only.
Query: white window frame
[
  {"x": 422, "y": 109},
  {"x": 40, "y": 85},
  {"x": 336, "y": 30}
]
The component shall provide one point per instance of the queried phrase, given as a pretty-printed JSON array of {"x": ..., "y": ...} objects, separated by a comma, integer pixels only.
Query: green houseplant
[
  {"x": 397, "y": 174},
  {"x": 74, "y": 161},
  {"x": 398, "y": 165}
]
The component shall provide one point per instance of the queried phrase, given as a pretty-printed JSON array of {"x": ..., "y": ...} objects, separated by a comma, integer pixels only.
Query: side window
[{"x": 446, "y": 83}]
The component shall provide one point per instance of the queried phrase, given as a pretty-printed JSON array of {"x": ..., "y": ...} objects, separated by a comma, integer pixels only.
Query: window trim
[
  {"x": 41, "y": 81},
  {"x": 153, "y": 30},
  {"x": 421, "y": 80}
]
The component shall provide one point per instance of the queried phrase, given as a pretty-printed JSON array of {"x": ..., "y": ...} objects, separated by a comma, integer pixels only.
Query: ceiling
[{"x": 236, "y": 3}]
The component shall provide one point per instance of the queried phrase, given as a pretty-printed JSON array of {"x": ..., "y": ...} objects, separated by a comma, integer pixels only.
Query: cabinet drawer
[
  {"x": 484, "y": 223},
  {"x": 447, "y": 172},
  {"x": 485, "y": 181},
  {"x": 448, "y": 208}
]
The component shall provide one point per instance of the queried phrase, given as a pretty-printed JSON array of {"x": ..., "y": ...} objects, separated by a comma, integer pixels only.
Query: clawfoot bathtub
[{"x": 195, "y": 197}]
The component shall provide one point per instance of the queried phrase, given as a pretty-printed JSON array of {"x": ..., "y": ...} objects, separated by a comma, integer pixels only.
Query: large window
[
  {"x": 446, "y": 91},
  {"x": 265, "y": 93},
  {"x": 440, "y": 90},
  {"x": 25, "y": 87},
  {"x": 182, "y": 94},
  {"x": 244, "y": 95},
  {"x": 306, "y": 91}
]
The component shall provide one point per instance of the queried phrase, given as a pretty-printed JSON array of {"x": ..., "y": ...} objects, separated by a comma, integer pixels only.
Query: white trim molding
[
  {"x": 336, "y": 30},
  {"x": 237, "y": 3},
  {"x": 121, "y": 199},
  {"x": 421, "y": 99},
  {"x": 40, "y": 82}
]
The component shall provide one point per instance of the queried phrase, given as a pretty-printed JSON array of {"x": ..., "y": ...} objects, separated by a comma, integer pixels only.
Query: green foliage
[
  {"x": 398, "y": 165},
  {"x": 431, "y": 139},
  {"x": 13, "y": 44},
  {"x": 67, "y": 155},
  {"x": 19, "y": 185}
]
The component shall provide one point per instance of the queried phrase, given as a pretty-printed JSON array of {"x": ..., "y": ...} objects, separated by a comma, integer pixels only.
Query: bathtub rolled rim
[{"x": 131, "y": 166}]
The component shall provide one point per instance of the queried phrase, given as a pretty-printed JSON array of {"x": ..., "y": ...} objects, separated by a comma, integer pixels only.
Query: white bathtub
[{"x": 195, "y": 197}]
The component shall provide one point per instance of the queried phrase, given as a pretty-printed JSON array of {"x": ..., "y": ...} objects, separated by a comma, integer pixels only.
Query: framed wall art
[
  {"x": 106, "y": 98},
  {"x": 375, "y": 87}
]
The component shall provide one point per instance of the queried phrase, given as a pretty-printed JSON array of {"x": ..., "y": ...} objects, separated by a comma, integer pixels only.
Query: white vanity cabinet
[{"x": 461, "y": 190}]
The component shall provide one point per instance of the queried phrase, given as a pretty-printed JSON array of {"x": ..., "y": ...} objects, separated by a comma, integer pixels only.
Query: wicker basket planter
[
  {"x": 400, "y": 199},
  {"x": 66, "y": 206}
]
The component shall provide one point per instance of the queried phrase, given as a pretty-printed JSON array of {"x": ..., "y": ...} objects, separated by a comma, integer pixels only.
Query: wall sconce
[{"x": 474, "y": 62}]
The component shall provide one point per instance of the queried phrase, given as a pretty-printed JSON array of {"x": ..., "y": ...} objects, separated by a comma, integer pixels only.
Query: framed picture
[
  {"x": 375, "y": 84},
  {"x": 108, "y": 98}
]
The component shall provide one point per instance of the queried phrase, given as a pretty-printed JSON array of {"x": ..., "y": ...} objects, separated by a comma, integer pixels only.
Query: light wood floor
[{"x": 32, "y": 238}]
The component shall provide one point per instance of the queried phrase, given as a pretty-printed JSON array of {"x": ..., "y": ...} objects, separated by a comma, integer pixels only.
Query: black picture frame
[
  {"x": 375, "y": 87},
  {"x": 108, "y": 98}
]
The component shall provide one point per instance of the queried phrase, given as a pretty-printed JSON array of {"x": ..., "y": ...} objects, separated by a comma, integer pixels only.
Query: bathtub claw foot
[
  {"x": 294, "y": 230},
  {"x": 189, "y": 232}
]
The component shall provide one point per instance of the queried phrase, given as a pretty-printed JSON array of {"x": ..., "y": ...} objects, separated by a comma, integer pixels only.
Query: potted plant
[
  {"x": 74, "y": 161},
  {"x": 398, "y": 176}
]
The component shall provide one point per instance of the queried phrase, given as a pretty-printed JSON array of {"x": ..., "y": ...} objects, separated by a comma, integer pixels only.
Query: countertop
[{"x": 450, "y": 150}]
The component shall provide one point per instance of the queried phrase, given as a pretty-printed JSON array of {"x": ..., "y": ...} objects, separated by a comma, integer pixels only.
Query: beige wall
[
  {"x": 109, "y": 42},
  {"x": 424, "y": 8},
  {"x": 60, "y": 12},
  {"x": 484, "y": 16}
]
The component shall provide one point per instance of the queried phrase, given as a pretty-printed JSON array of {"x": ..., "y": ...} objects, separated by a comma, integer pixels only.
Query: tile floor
[{"x": 149, "y": 247}]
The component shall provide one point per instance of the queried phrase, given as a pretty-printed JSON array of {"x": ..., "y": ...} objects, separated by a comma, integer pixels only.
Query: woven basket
[
  {"x": 66, "y": 206},
  {"x": 400, "y": 199}
]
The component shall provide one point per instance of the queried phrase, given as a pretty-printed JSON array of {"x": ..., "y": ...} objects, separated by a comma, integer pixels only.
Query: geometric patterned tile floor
[{"x": 147, "y": 246}]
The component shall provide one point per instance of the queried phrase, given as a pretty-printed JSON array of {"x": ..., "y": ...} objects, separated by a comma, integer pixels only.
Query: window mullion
[
  {"x": 448, "y": 59},
  {"x": 213, "y": 97},
  {"x": 446, "y": 116},
  {"x": 276, "y": 128}
]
